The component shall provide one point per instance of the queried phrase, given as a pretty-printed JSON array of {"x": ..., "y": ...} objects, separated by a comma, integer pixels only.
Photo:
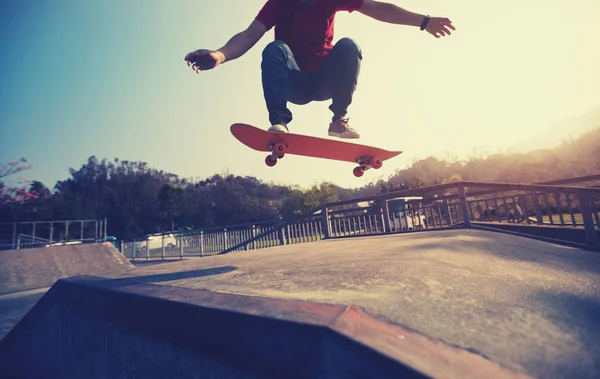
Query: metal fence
[
  {"x": 212, "y": 242},
  {"x": 560, "y": 213},
  {"x": 463, "y": 204},
  {"x": 199, "y": 243},
  {"x": 32, "y": 234}
]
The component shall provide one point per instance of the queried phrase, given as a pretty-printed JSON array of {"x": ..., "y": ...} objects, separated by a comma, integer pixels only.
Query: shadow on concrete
[
  {"x": 181, "y": 275},
  {"x": 577, "y": 316},
  {"x": 12, "y": 311},
  {"x": 520, "y": 249},
  {"x": 167, "y": 277},
  {"x": 154, "y": 262}
]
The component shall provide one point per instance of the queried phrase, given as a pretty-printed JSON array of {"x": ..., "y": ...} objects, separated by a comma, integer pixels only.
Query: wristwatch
[{"x": 425, "y": 22}]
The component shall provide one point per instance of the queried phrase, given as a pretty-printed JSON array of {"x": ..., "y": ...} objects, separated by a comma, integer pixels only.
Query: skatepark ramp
[
  {"x": 89, "y": 327},
  {"x": 27, "y": 269}
]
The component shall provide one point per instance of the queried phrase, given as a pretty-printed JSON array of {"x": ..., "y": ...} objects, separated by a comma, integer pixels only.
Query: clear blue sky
[{"x": 107, "y": 78}]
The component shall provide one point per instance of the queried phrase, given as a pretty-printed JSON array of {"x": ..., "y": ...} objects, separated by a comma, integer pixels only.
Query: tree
[
  {"x": 170, "y": 201},
  {"x": 14, "y": 195}
]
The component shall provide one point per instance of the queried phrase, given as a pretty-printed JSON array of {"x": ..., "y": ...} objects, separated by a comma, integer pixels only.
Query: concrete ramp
[
  {"x": 27, "y": 269},
  {"x": 89, "y": 327}
]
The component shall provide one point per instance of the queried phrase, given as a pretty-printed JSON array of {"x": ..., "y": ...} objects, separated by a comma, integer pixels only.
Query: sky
[{"x": 107, "y": 78}]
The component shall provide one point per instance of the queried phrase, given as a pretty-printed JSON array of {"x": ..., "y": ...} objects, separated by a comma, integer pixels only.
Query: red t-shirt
[{"x": 306, "y": 28}]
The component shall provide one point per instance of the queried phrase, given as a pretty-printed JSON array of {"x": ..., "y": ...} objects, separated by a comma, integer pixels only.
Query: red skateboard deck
[{"x": 279, "y": 144}]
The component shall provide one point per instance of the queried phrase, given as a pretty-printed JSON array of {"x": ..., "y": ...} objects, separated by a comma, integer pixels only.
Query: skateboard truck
[
  {"x": 277, "y": 152},
  {"x": 365, "y": 163}
]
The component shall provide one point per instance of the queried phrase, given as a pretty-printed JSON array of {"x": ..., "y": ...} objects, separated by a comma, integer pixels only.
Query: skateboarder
[{"x": 302, "y": 65}]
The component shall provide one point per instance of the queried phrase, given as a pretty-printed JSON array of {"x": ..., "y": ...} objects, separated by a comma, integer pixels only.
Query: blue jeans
[{"x": 283, "y": 81}]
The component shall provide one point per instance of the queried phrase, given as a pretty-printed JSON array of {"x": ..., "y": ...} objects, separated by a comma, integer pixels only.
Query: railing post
[
  {"x": 448, "y": 216},
  {"x": 464, "y": 205},
  {"x": 181, "y": 246},
  {"x": 586, "y": 203},
  {"x": 162, "y": 240},
  {"x": 386, "y": 216},
  {"x": 537, "y": 209},
  {"x": 201, "y": 243},
  {"x": 14, "y": 237},
  {"x": 326, "y": 224},
  {"x": 281, "y": 236}
]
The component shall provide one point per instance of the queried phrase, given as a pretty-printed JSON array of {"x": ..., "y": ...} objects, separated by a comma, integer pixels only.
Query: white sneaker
[{"x": 278, "y": 128}]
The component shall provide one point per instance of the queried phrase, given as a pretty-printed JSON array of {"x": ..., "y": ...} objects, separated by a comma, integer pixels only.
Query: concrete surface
[{"x": 525, "y": 304}]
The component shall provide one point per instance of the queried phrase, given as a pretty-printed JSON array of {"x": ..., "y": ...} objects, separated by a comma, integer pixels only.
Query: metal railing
[
  {"x": 32, "y": 234},
  {"x": 551, "y": 212},
  {"x": 459, "y": 205},
  {"x": 199, "y": 243}
]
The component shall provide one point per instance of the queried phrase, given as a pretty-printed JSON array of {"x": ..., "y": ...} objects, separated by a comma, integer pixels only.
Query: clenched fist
[{"x": 204, "y": 59}]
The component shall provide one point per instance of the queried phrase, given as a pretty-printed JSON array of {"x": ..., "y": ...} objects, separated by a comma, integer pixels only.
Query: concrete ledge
[{"x": 89, "y": 327}]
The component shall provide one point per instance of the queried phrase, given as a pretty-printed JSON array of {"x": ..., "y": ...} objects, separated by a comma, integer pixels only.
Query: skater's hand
[
  {"x": 204, "y": 59},
  {"x": 439, "y": 25}
]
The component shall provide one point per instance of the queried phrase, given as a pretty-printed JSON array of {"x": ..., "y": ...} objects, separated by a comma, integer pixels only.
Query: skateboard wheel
[
  {"x": 270, "y": 160},
  {"x": 358, "y": 171},
  {"x": 376, "y": 163},
  {"x": 279, "y": 149}
]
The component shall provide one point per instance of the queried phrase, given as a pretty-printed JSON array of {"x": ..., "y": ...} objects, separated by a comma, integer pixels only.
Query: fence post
[
  {"x": 201, "y": 243},
  {"x": 162, "y": 240},
  {"x": 181, "y": 246},
  {"x": 326, "y": 223},
  {"x": 281, "y": 236},
  {"x": 448, "y": 216},
  {"x": 14, "y": 237},
  {"x": 464, "y": 205},
  {"x": 586, "y": 203},
  {"x": 386, "y": 216},
  {"x": 537, "y": 208}
]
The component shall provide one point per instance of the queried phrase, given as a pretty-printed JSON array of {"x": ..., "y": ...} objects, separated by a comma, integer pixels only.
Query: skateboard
[{"x": 280, "y": 144}]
